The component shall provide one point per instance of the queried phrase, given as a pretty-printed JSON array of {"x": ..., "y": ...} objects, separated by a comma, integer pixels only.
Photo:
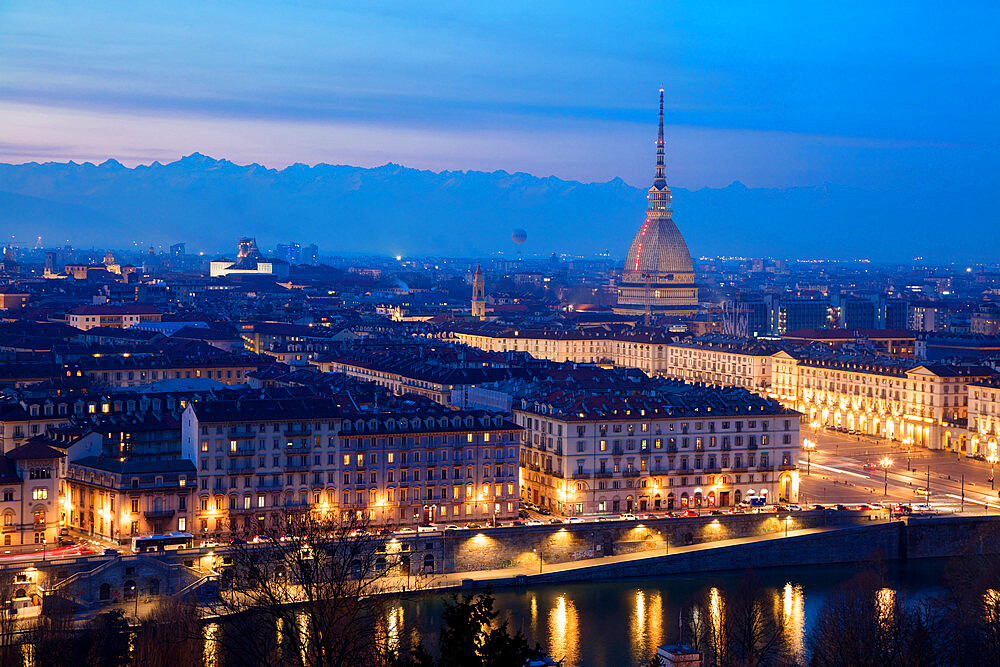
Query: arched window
[
  {"x": 105, "y": 593},
  {"x": 428, "y": 561}
]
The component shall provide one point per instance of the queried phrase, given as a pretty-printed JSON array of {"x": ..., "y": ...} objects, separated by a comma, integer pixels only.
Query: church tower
[
  {"x": 659, "y": 275},
  {"x": 478, "y": 294}
]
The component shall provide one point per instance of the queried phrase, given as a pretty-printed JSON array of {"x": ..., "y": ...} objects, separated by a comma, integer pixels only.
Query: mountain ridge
[{"x": 394, "y": 209}]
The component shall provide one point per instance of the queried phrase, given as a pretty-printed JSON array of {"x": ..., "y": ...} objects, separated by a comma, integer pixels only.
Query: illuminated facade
[
  {"x": 984, "y": 418},
  {"x": 257, "y": 459},
  {"x": 925, "y": 405},
  {"x": 640, "y": 454},
  {"x": 659, "y": 274},
  {"x": 644, "y": 349}
]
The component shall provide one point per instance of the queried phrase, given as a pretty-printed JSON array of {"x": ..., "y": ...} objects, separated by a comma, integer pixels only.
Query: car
[
  {"x": 780, "y": 508},
  {"x": 533, "y": 522},
  {"x": 556, "y": 519},
  {"x": 517, "y": 522},
  {"x": 841, "y": 508},
  {"x": 716, "y": 513},
  {"x": 870, "y": 466},
  {"x": 406, "y": 529},
  {"x": 64, "y": 532},
  {"x": 902, "y": 508},
  {"x": 523, "y": 514},
  {"x": 237, "y": 540},
  {"x": 923, "y": 507},
  {"x": 689, "y": 513},
  {"x": 64, "y": 541},
  {"x": 864, "y": 506},
  {"x": 451, "y": 526},
  {"x": 473, "y": 526},
  {"x": 921, "y": 491},
  {"x": 794, "y": 508},
  {"x": 110, "y": 552},
  {"x": 425, "y": 529},
  {"x": 574, "y": 519},
  {"x": 817, "y": 507},
  {"x": 544, "y": 510},
  {"x": 627, "y": 517}
]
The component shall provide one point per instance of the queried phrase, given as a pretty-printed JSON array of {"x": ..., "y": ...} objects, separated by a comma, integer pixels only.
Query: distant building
[
  {"x": 249, "y": 262},
  {"x": 659, "y": 274},
  {"x": 89, "y": 317},
  {"x": 12, "y": 298}
]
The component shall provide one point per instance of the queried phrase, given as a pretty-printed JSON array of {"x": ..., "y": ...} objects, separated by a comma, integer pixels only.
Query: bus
[{"x": 168, "y": 542}]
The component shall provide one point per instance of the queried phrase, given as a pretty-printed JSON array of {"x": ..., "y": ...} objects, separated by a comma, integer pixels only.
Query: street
[{"x": 835, "y": 473}]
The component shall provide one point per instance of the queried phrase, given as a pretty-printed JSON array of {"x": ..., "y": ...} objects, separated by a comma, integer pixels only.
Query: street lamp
[
  {"x": 992, "y": 458},
  {"x": 886, "y": 463},
  {"x": 809, "y": 446}
]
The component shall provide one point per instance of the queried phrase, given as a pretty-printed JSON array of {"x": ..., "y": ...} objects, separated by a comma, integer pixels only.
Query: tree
[
  {"x": 171, "y": 635},
  {"x": 311, "y": 589},
  {"x": 9, "y": 640},
  {"x": 469, "y": 637},
  {"x": 741, "y": 629},
  {"x": 865, "y": 623},
  {"x": 967, "y": 614},
  {"x": 108, "y": 635}
]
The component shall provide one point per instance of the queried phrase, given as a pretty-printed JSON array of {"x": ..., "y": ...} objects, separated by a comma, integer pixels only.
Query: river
[{"x": 622, "y": 622}]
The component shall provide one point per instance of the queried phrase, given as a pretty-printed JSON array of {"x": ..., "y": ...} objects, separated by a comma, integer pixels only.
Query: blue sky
[{"x": 893, "y": 95}]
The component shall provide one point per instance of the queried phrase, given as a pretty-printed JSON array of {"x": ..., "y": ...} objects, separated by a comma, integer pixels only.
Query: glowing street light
[
  {"x": 886, "y": 463},
  {"x": 992, "y": 458},
  {"x": 809, "y": 446}
]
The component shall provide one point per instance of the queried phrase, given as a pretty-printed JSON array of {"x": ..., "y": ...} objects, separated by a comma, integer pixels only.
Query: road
[{"x": 837, "y": 474}]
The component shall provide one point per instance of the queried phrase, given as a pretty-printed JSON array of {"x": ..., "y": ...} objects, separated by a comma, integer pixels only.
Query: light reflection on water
[
  {"x": 622, "y": 622},
  {"x": 564, "y": 631}
]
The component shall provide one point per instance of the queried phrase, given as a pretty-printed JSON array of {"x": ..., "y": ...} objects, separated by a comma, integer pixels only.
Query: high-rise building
[
  {"x": 479, "y": 294},
  {"x": 658, "y": 276}
]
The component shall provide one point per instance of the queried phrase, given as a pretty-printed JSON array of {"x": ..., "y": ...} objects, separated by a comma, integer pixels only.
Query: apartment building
[
  {"x": 257, "y": 459},
  {"x": 920, "y": 404},
  {"x": 984, "y": 418},
  {"x": 722, "y": 360},
  {"x": 641, "y": 348},
  {"x": 691, "y": 446}
]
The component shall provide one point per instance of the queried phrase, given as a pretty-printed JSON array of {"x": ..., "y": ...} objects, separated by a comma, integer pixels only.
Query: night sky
[{"x": 895, "y": 96}]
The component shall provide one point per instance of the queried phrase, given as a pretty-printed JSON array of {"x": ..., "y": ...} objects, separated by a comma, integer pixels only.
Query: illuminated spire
[{"x": 660, "y": 166}]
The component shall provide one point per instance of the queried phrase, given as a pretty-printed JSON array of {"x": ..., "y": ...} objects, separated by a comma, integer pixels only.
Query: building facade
[
  {"x": 258, "y": 459},
  {"x": 606, "y": 456}
]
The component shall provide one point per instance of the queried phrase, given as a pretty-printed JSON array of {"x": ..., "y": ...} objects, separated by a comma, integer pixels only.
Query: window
[{"x": 39, "y": 493}]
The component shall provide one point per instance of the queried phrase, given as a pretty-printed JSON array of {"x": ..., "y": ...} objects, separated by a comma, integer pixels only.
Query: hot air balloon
[{"x": 519, "y": 236}]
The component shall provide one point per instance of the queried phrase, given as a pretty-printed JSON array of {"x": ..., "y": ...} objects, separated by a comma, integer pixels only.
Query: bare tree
[
  {"x": 9, "y": 638},
  {"x": 740, "y": 628},
  {"x": 866, "y": 623},
  {"x": 171, "y": 635},
  {"x": 312, "y": 589},
  {"x": 967, "y": 613}
]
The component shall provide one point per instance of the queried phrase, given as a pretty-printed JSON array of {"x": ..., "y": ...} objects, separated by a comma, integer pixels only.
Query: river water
[{"x": 622, "y": 622}]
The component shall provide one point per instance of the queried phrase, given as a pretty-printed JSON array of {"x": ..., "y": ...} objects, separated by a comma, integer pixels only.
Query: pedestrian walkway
[{"x": 507, "y": 576}]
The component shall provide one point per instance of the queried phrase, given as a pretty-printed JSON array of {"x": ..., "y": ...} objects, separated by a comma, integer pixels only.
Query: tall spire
[{"x": 660, "y": 166}]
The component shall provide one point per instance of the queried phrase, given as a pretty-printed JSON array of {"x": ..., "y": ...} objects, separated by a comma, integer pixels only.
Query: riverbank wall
[{"x": 899, "y": 540}]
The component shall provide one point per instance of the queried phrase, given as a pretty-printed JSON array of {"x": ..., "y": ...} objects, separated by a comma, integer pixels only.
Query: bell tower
[{"x": 478, "y": 294}]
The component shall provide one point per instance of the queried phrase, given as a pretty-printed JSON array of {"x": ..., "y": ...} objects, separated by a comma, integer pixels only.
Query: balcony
[
  {"x": 602, "y": 475},
  {"x": 242, "y": 451},
  {"x": 235, "y": 434},
  {"x": 581, "y": 475},
  {"x": 555, "y": 473},
  {"x": 295, "y": 467},
  {"x": 297, "y": 447},
  {"x": 787, "y": 466},
  {"x": 295, "y": 432},
  {"x": 158, "y": 514},
  {"x": 630, "y": 473}
]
